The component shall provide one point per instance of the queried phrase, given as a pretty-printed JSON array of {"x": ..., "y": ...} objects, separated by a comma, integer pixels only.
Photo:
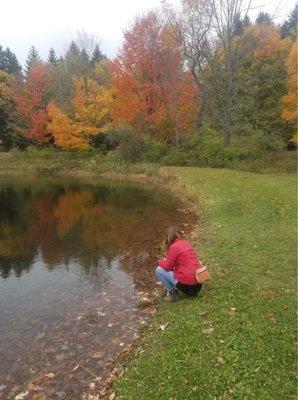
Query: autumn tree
[
  {"x": 261, "y": 84},
  {"x": 191, "y": 27},
  {"x": 152, "y": 91},
  {"x": 289, "y": 101},
  {"x": 5, "y": 106},
  {"x": 31, "y": 99},
  {"x": 89, "y": 116}
]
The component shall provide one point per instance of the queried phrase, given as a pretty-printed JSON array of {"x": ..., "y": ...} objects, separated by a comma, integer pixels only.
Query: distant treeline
[{"x": 204, "y": 74}]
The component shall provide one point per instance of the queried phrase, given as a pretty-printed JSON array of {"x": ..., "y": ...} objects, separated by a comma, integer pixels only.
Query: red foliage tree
[{"x": 31, "y": 99}]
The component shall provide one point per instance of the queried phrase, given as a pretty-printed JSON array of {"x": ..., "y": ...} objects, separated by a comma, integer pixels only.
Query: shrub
[
  {"x": 121, "y": 143},
  {"x": 233, "y": 153},
  {"x": 175, "y": 156},
  {"x": 213, "y": 150},
  {"x": 154, "y": 151},
  {"x": 270, "y": 143}
]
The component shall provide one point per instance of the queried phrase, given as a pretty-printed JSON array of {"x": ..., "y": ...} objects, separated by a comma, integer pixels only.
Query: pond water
[{"x": 76, "y": 257}]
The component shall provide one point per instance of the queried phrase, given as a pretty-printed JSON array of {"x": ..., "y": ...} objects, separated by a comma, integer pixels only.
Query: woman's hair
[{"x": 172, "y": 234}]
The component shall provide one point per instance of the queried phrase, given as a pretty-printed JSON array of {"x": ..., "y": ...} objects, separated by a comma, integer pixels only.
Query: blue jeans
[{"x": 166, "y": 278}]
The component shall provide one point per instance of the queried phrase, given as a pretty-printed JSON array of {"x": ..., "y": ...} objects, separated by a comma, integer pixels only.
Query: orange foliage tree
[
  {"x": 31, "y": 98},
  {"x": 266, "y": 42},
  {"x": 289, "y": 101},
  {"x": 152, "y": 91},
  {"x": 90, "y": 116}
]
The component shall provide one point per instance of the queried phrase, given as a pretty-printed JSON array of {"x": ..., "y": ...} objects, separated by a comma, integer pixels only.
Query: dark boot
[{"x": 172, "y": 295}]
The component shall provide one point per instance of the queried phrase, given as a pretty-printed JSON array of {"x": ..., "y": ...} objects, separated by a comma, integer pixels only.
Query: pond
[{"x": 76, "y": 258}]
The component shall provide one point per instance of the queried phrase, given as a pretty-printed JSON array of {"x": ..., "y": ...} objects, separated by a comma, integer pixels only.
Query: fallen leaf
[
  {"x": 37, "y": 388},
  {"x": 202, "y": 313},
  {"x": 22, "y": 395},
  {"x": 50, "y": 375},
  {"x": 112, "y": 396},
  {"x": 163, "y": 327},
  {"x": 97, "y": 355},
  {"x": 219, "y": 360},
  {"x": 40, "y": 336},
  {"x": 92, "y": 385},
  {"x": 39, "y": 397},
  {"x": 150, "y": 310},
  {"x": 208, "y": 331}
]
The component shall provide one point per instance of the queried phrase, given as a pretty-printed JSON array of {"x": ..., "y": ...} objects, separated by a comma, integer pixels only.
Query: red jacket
[{"x": 182, "y": 259}]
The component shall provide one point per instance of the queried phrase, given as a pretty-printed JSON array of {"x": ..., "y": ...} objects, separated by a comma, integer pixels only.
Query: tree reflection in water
[{"x": 69, "y": 249}]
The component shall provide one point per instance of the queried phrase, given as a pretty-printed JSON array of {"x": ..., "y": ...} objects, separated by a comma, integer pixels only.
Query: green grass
[
  {"x": 248, "y": 239},
  {"x": 51, "y": 162}
]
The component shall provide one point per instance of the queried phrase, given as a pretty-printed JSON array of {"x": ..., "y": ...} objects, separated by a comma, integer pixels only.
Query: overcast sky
[{"x": 46, "y": 23}]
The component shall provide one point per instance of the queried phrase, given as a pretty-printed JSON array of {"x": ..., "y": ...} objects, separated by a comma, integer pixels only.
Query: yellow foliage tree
[
  {"x": 90, "y": 116},
  {"x": 4, "y": 77},
  {"x": 289, "y": 101}
]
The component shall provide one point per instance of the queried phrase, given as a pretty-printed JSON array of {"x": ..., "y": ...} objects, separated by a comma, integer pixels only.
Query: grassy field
[{"x": 237, "y": 339}]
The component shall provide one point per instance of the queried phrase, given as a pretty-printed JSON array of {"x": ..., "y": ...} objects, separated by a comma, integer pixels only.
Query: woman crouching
[{"x": 177, "y": 270}]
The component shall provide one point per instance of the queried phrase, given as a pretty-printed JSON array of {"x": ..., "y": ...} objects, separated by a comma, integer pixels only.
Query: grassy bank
[
  {"x": 237, "y": 339},
  {"x": 50, "y": 161}
]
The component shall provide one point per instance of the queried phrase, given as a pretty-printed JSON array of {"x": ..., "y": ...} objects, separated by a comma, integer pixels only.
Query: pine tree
[
  {"x": 73, "y": 50},
  {"x": 289, "y": 27},
  {"x": 9, "y": 62},
  {"x": 246, "y": 22},
  {"x": 52, "y": 58},
  {"x": 264, "y": 19},
  {"x": 97, "y": 56},
  {"x": 32, "y": 59},
  {"x": 72, "y": 59},
  {"x": 240, "y": 24}
]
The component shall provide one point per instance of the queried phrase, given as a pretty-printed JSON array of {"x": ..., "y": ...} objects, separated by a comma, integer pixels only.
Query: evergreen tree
[
  {"x": 73, "y": 50},
  {"x": 52, "y": 58},
  {"x": 97, "y": 56},
  {"x": 289, "y": 27},
  {"x": 240, "y": 24},
  {"x": 72, "y": 59},
  {"x": 264, "y": 19},
  {"x": 9, "y": 62},
  {"x": 32, "y": 59},
  {"x": 246, "y": 22}
]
